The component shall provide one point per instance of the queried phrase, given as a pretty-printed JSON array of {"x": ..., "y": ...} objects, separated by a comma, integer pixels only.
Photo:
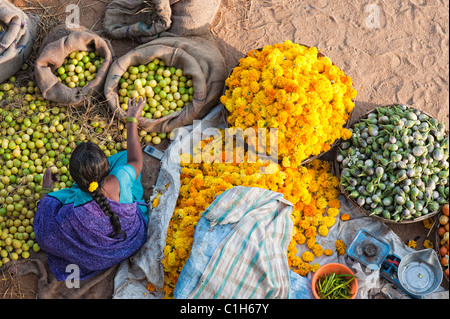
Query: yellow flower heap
[
  {"x": 312, "y": 189},
  {"x": 296, "y": 90}
]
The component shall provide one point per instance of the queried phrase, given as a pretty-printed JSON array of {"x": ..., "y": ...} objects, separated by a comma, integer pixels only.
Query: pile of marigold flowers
[
  {"x": 295, "y": 90},
  {"x": 312, "y": 189}
]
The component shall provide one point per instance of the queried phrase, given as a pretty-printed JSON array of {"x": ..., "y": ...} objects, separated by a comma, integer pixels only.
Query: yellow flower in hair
[{"x": 93, "y": 186}]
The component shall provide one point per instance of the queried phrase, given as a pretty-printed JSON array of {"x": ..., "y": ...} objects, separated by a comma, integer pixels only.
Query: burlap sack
[
  {"x": 192, "y": 17},
  {"x": 58, "y": 44},
  {"x": 196, "y": 56},
  {"x": 144, "y": 20},
  {"x": 16, "y": 41},
  {"x": 140, "y": 19}
]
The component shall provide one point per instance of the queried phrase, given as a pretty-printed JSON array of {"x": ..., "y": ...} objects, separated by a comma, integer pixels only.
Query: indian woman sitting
[{"x": 102, "y": 219}]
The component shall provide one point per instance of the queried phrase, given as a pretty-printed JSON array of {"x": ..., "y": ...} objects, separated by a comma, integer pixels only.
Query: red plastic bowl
[{"x": 338, "y": 269}]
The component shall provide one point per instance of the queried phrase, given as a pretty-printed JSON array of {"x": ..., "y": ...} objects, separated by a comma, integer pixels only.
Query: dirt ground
[{"x": 401, "y": 57}]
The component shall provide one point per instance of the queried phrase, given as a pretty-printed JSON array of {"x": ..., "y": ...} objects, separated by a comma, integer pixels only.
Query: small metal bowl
[{"x": 420, "y": 273}]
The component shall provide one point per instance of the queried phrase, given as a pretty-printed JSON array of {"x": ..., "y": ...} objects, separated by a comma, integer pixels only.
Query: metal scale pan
[{"x": 417, "y": 274}]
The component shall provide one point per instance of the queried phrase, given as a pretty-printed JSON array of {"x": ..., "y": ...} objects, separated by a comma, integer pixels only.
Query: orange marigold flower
[
  {"x": 345, "y": 217},
  {"x": 151, "y": 287},
  {"x": 303, "y": 269},
  {"x": 328, "y": 252},
  {"x": 311, "y": 232},
  {"x": 310, "y": 210},
  {"x": 334, "y": 203}
]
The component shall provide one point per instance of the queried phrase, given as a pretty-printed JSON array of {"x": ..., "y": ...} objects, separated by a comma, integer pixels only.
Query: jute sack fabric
[
  {"x": 144, "y": 20},
  {"x": 140, "y": 19},
  {"x": 196, "y": 56},
  {"x": 192, "y": 17},
  {"x": 58, "y": 44},
  {"x": 17, "y": 38}
]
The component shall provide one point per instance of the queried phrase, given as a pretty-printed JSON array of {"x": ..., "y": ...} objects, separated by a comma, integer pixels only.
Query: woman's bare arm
[{"x": 134, "y": 149}]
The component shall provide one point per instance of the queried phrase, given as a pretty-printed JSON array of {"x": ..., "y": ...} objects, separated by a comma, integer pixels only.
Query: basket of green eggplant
[{"x": 395, "y": 167}]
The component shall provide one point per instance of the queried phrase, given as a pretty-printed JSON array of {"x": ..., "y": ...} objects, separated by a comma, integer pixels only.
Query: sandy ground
[{"x": 396, "y": 51}]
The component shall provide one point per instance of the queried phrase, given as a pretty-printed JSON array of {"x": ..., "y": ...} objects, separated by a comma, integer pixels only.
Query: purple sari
[{"x": 73, "y": 230}]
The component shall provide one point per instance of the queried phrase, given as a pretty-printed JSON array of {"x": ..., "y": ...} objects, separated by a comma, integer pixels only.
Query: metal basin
[{"x": 420, "y": 272}]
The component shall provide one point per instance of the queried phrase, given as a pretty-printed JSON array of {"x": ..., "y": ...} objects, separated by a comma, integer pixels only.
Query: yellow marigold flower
[
  {"x": 317, "y": 250},
  {"x": 300, "y": 238},
  {"x": 307, "y": 257},
  {"x": 155, "y": 202},
  {"x": 323, "y": 230},
  {"x": 345, "y": 217},
  {"x": 412, "y": 244},
  {"x": 171, "y": 259},
  {"x": 322, "y": 202},
  {"x": 341, "y": 248},
  {"x": 93, "y": 187},
  {"x": 333, "y": 212},
  {"x": 346, "y": 134},
  {"x": 329, "y": 221},
  {"x": 428, "y": 223},
  {"x": 314, "y": 267},
  {"x": 428, "y": 244},
  {"x": 328, "y": 252}
]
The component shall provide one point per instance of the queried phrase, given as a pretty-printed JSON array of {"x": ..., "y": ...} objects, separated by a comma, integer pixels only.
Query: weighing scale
[{"x": 418, "y": 272}]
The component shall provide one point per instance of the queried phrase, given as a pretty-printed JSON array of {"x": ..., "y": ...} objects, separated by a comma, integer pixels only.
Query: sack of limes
[
  {"x": 181, "y": 78},
  {"x": 72, "y": 65}
]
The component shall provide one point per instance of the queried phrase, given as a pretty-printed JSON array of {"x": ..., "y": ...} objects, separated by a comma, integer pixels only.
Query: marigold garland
[
  {"x": 310, "y": 188},
  {"x": 296, "y": 90}
]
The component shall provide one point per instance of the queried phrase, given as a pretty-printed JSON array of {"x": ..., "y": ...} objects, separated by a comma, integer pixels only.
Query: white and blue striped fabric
[{"x": 239, "y": 250}]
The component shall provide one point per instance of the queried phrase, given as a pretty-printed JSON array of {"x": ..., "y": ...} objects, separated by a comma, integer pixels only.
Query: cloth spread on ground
[
  {"x": 145, "y": 266},
  {"x": 72, "y": 229},
  {"x": 239, "y": 249}
]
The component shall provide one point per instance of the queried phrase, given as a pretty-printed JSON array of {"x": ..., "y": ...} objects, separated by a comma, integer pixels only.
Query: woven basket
[
  {"x": 437, "y": 243},
  {"x": 336, "y": 168},
  {"x": 311, "y": 158}
]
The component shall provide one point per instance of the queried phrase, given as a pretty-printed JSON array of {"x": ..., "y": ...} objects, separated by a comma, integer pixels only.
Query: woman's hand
[
  {"x": 50, "y": 177},
  {"x": 136, "y": 110}
]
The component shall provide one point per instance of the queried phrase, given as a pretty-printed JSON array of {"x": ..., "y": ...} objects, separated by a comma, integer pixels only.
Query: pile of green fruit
[
  {"x": 167, "y": 89},
  {"x": 79, "y": 68},
  {"x": 396, "y": 165},
  {"x": 36, "y": 134}
]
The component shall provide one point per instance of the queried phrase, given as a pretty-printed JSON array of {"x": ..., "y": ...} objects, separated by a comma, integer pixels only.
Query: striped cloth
[{"x": 240, "y": 248}]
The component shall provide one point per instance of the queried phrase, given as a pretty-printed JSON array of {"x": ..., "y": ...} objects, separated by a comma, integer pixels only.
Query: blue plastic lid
[{"x": 368, "y": 250}]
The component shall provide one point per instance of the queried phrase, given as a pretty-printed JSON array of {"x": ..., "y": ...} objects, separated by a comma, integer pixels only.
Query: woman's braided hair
[{"x": 89, "y": 164}]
